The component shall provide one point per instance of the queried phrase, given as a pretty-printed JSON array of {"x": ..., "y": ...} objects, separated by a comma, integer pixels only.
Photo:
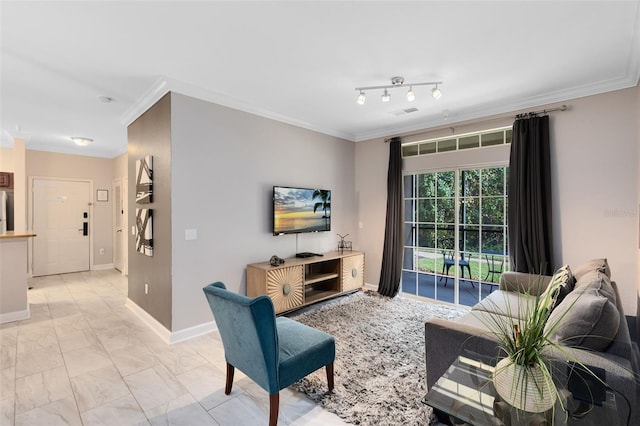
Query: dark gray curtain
[
  {"x": 530, "y": 233},
  {"x": 392, "y": 251}
]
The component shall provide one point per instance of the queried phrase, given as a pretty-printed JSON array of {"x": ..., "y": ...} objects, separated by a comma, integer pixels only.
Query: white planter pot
[{"x": 527, "y": 389}]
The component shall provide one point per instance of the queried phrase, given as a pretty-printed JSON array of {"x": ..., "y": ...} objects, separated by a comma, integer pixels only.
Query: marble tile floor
[{"x": 83, "y": 358}]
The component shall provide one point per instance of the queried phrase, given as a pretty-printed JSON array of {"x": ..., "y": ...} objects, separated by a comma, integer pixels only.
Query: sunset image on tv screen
[{"x": 301, "y": 210}]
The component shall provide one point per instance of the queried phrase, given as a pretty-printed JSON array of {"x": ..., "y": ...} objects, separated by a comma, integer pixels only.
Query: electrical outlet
[{"x": 146, "y": 288}]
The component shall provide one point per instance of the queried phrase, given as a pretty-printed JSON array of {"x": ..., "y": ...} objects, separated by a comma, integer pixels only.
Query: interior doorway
[
  {"x": 61, "y": 218},
  {"x": 120, "y": 226}
]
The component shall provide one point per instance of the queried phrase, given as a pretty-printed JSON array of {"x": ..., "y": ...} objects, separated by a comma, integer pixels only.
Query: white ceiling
[{"x": 299, "y": 62}]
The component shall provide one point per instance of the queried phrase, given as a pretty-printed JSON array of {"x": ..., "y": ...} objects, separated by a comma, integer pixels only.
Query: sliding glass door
[{"x": 455, "y": 233}]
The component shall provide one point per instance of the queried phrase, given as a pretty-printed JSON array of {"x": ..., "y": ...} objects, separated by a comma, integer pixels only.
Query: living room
[{"x": 216, "y": 165}]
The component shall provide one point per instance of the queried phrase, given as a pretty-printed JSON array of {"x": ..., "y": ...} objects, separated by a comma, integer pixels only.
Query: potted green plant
[{"x": 523, "y": 378}]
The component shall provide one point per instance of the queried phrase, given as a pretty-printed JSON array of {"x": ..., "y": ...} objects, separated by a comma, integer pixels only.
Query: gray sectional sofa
[{"x": 593, "y": 330}]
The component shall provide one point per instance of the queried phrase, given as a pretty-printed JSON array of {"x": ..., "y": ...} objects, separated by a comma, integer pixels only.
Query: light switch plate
[{"x": 190, "y": 234}]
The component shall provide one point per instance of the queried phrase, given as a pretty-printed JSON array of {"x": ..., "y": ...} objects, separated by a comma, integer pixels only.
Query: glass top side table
[{"x": 466, "y": 393}]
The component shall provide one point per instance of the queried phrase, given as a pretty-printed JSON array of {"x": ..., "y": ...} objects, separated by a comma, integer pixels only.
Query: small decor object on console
[
  {"x": 344, "y": 245},
  {"x": 276, "y": 261}
]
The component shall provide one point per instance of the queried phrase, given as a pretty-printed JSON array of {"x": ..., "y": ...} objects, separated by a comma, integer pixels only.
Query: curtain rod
[
  {"x": 544, "y": 111},
  {"x": 562, "y": 107}
]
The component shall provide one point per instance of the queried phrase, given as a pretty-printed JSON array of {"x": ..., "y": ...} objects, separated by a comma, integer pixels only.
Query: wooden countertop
[{"x": 17, "y": 234}]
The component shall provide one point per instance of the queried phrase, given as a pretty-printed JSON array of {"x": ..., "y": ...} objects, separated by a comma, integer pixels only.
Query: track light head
[
  {"x": 386, "y": 97},
  {"x": 436, "y": 93},
  {"x": 362, "y": 98},
  {"x": 410, "y": 95}
]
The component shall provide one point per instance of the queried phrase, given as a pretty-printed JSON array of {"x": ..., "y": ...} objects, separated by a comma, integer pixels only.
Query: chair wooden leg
[
  {"x": 329, "y": 368},
  {"x": 229, "y": 384},
  {"x": 274, "y": 406}
]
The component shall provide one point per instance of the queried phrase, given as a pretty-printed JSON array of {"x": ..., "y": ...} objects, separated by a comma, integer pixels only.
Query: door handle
[{"x": 119, "y": 230}]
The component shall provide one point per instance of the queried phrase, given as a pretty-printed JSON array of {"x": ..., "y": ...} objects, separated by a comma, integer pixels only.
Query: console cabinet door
[
  {"x": 352, "y": 272},
  {"x": 285, "y": 287}
]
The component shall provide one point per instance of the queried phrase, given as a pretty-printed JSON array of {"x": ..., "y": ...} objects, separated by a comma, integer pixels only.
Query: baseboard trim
[
  {"x": 170, "y": 337},
  {"x": 191, "y": 332},
  {"x": 102, "y": 267},
  {"x": 371, "y": 287},
  {"x": 150, "y": 321},
  {"x": 15, "y": 316}
]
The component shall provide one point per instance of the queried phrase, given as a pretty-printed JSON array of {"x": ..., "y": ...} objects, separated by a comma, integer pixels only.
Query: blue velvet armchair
[{"x": 273, "y": 352}]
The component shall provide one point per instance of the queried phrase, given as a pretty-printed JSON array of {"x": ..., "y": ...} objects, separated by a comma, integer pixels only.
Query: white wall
[
  {"x": 224, "y": 165},
  {"x": 595, "y": 185}
]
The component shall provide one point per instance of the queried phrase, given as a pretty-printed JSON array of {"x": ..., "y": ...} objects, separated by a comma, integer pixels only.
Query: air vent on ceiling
[{"x": 404, "y": 111}]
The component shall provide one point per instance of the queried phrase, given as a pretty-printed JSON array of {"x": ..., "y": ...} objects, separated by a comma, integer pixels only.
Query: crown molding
[
  {"x": 157, "y": 90},
  {"x": 485, "y": 111},
  {"x": 164, "y": 85}
]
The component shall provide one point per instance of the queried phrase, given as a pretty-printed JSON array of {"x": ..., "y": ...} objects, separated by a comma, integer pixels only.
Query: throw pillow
[
  {"x": 598, "y": 282},
  {"x": 600, "y": 265},
  {"x": 559, "y": 287},
  {"x": 584, "y": 319}
]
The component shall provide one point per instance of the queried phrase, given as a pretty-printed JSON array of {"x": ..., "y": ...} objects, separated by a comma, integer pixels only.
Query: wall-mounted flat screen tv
[{"x": 297, "y": 210}]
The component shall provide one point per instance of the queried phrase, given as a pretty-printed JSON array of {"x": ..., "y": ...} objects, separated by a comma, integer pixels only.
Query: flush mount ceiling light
[
  {"x": 81, "y": 141},
  {"x": 395, "y": 83}
]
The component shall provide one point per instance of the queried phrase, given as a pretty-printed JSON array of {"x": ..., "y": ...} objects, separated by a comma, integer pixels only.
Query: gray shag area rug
[{"x": 380, "y": 357}]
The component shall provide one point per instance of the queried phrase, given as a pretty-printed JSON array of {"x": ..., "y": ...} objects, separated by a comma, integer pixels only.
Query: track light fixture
[{"x": 395, "y": 83}]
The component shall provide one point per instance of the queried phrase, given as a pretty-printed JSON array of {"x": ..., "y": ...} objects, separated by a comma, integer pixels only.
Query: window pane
[
  {"x": 447, "y": 145},
  {"x": 445, "y": 237},
  {"x": 409, "y": 210},
  {"x": 508, "y": 135},
  {"x": 409, "y": 234},
  {"x": 427, "y": 261},
  {"x": 496, "y": 138},
  {"x": 492, "y": 239},
  {"x": 426, "y": 210},
  {"x": 470, "y": 211},
  {"x": 407, "y": 260},
  {"x": 408, "y": 186},
  {"x": 426, "y": 185},
  {"x": 446, "y": 184},
  {"x": 470, "y": 238},
  {"x": 493, "y": 211},
  {"x": 427, "y": 148},
  {"x": 493, "y": 181},
  {"x": 469, "y": 142},
  {"x": 445, "y": 210},
  {"x": 426, "y": 236},
  {"x": 469, "y": 183},
  {"x": 409, "y": 150}
]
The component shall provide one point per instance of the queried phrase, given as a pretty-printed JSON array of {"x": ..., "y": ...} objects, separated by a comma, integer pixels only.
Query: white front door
[{"x": 61, "y": 211}]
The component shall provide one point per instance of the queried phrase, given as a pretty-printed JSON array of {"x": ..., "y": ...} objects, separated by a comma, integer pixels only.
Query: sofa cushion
[
  {"x": 508, "y": 303},
  {"x": 584, "y": 319},
  {"x": 560, "y": 286},
  {"x": 600, "y": 265}
]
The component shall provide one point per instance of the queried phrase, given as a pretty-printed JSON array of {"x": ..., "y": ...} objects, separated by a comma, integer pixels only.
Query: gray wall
[
  {"x": 595, "y": 185},
  {"x": 224, "y": 165},
  {"x": 150, "y": 134}
]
